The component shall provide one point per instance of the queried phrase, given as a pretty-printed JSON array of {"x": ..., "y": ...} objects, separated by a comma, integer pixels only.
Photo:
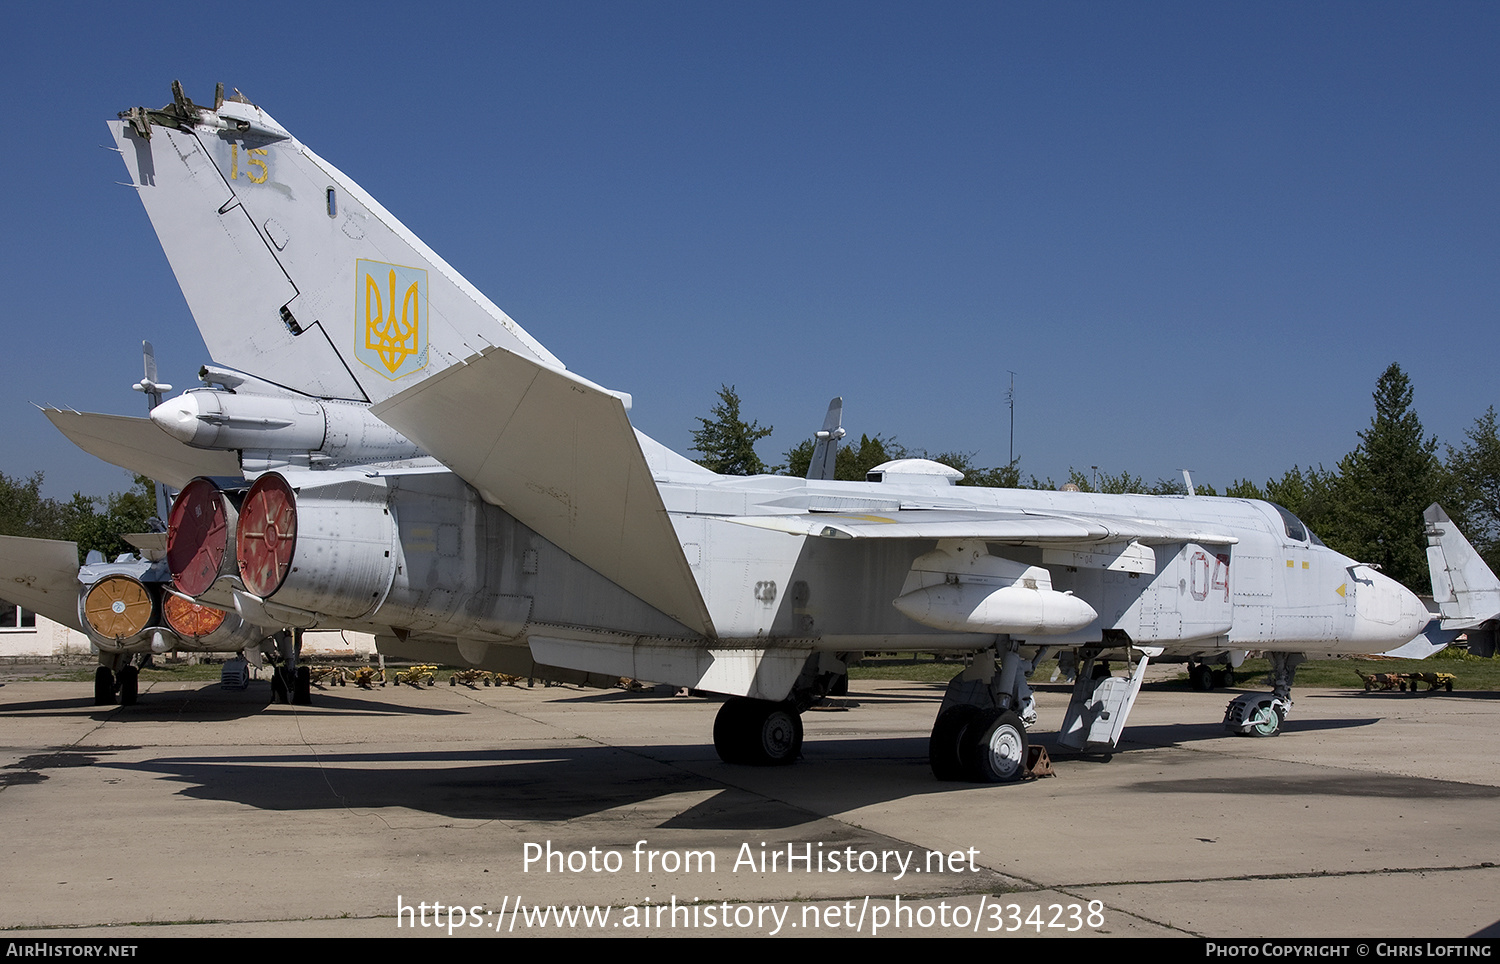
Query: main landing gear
[
  {"x": 1260, "y": 714},
  {"x": 768, "y": 733},
  {"x": 980, "y": 732},
  {"x": 116, "y": 680},
  {"x": 978, "y": 745},
  {"x": 758, "y": 732},
  {"x": 290, "y": 683},
  {"x": 1206, "y": 678}
]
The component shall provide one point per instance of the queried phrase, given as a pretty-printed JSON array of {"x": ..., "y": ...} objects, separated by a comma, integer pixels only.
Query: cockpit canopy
[{"x": 1295, "y": 530}]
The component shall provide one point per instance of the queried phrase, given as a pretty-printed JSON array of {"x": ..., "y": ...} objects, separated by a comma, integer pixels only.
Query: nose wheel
[{"x": 1256, "y": 714}]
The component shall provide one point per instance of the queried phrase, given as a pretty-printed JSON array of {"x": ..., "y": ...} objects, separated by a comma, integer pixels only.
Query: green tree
[
  {"x": 727, "y": 441},
  {"x": 124, "y": 512},
  {"x": 1384, "y": 485},
  {"x": 1001, "y": 477},
  {"x": 1311, "y": 495},
  {"x": 1121, "y": 484},
  {"x": 852, "y": 463},
  {"x": 25, "y": 512},
  {"x": 1244, "y": 489},
  {"x": 798, "y": 459}
]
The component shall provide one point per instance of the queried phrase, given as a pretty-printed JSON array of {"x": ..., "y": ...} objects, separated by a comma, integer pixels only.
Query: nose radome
[
  {"x": 178, "y": 417},
  {"x": 1385, "y": 611}
]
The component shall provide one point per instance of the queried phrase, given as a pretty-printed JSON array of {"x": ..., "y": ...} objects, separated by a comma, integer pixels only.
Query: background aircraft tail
[
  {"x": 826, "y": 442},
  {"x": 292, "y": 272},
  {"x": 1465, "y": 589}
]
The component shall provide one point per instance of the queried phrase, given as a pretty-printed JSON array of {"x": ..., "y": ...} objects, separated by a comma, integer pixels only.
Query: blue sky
[{"x": 1196, "y": 232}]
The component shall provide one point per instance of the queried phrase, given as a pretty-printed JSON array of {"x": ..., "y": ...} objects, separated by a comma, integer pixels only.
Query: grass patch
[
  {"x": 920, "y": 668},
  {"x": 1475, "y": 674},
  {"x": 160, "y": 673}
]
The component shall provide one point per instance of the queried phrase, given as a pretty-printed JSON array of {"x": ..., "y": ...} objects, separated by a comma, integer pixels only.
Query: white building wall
[{"x": 28, "y": 636}]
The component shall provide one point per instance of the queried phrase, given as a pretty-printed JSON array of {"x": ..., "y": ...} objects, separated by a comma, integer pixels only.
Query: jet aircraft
[{"x": 410, "y": 462}]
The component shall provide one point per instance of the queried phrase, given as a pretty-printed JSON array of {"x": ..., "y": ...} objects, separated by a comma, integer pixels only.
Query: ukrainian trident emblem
[{"x": 393, "y": 300}]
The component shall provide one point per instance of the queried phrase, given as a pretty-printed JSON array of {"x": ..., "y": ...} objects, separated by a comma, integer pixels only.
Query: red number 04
[{"x": 1213, "y": 578}]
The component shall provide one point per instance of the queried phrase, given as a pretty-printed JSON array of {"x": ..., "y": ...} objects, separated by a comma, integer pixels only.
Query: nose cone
[
  {"x": 1386, "y": 613},
  {"x": 178, "y": 417}
]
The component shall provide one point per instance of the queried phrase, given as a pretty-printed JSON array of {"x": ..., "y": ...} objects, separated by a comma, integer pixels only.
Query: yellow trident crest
[{"x": 394, "y": 337}]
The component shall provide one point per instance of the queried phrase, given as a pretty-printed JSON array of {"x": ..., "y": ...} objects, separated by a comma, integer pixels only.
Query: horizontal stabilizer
[
  {"x": 557, "y": 452},
  {"x": 1465, "y": 590},
  {"x": 1434, "y": 638},
  {"x": 1018, "y": 528},
  {"x": 41, "y": 575},
  {"x": 137, "y": 445}
]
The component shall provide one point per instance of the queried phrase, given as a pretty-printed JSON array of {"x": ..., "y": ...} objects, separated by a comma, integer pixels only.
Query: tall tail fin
[
  {"x": 292, "y": 272},
  {"x": 826, "y": 447},
  {"x": 1464, "y": 588}
]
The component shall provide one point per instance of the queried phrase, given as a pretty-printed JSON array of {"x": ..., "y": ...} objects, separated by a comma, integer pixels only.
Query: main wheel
[
  {"x": 104, "y": 687},
  {"x": 947, "y": 748},
  {"x": 757, "y": 732},
  {"x": 1201, "y": 677},
  {"x": 302, "y": 687},
  {"x": 130, "y": 678},
  {"x": 997, "y": 747},
  {"x": 1265, "y": 720},
  {"x": 279, "y": 692},
  {"x": 728, "y": 727}
]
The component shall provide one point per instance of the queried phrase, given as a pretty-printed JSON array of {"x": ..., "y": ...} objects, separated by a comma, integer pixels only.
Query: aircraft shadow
[
  {"x": 1153, "y": 736},
  {"x": 551, "y": 783},
  {"x": 32, "y": 769},
  {"x": 210, "y": 702},
  {"x": 560, "y": 783},
  {"x": 1485, "y": 695},
  {"x": 914, "y": 693},
  {"x": 1330, "y": 783}
]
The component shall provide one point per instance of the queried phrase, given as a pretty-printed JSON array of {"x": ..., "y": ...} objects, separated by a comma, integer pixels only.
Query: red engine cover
[{"x": 267, "y": 535}]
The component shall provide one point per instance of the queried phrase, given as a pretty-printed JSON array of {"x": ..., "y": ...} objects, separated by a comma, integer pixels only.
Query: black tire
[
  {"x": 758, "y": 732},
  {"x": 947, "y": 747},
  {"x": 130, "y": 685},
  {"x": 729, "y": 730},
  {"x": 997, "y": 747},
  {"x": 302, "y": 687},
  {"x": 104, "y": 687},
  {"x": 840, "y": 686},
  {"x": 1266, "y": 721},
  {"x": 1201, "y": 677},
  {"x": 279, "y": 692}
]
